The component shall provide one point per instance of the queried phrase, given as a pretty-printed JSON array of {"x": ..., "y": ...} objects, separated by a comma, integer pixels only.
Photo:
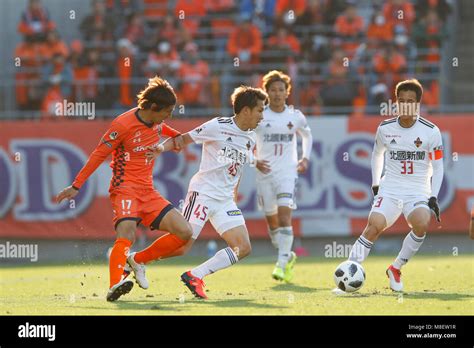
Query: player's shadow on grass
[
  {"x": 175, "y": 306},
  {"x": 294, "y": 288},
  {"x": 443, "y": 296},
  {"x": 238, "y": 303}
]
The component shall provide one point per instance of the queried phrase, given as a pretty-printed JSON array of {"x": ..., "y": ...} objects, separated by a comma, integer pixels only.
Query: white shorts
[
  {"x": 223, "y": 215},
  {"x": 274, "y": 193},
  {"x": 392, "y": 207}
]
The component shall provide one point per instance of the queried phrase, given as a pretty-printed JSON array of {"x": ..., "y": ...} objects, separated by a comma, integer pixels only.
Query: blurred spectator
[
  {"x": 53, "y": 45},
  {"x": 340, "y": 85},
  {"x": 219, "y": 23},
  {"x": 283, "y": 47},
  {"x": 35, "y": 21},
  {"x": 163, "y": 61},
  {"x": 136, "y": 30},
  {"x": 389, "y": 66},
  {"x": 86, "y": 75},
  {"x": 123, "y": 8},
  {"x": 98, "y": 26},
  {"x": 57, "y": 77},
  {"x": 379, "y": 30},
  {"x": 287, "y": 11},
  {"x": 168, "y": 30},
  {"x": 442, "y": 8},
  {"x": 27, "y": 77},
  {"x": 262, "y": 11},
  {"x": 428, "y": 34},
  {"x": 58, "y": 71},
  {"x": 154, "y": 10},
  {"x": 333, "y": 9},
  {"x": 127, "y": 68},
  {"x": 52, "y": 104},
  {"x": 349, "y": 27},
  {"x": 399, "y": 12},
  {"x": 314, "y": 13},
  {"x": 190, "y": 12},
  {"x": 245, "y": 43},
  {"x": 194, "y": 78}
]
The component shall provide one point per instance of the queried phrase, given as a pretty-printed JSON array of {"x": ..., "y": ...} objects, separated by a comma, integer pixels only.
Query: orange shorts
[{"x": 145, "y": 206}]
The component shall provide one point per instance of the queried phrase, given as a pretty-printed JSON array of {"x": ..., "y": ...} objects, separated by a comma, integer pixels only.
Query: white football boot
[
  {"x": 121, "y": 288},
  {"x": 138, "y": 271}
]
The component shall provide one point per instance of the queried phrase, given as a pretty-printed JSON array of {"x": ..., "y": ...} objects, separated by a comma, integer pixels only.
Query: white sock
[
  {"x": 274, "y": 235},
  {"x": 410, "y": 246},
  {"x": 222, "y": 259},
  {"x": 360, "y": 250},
  {"x": 285, "y": 242}
]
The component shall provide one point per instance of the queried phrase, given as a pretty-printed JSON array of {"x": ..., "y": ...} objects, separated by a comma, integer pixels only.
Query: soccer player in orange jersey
[{"x": 133, "y": 198}]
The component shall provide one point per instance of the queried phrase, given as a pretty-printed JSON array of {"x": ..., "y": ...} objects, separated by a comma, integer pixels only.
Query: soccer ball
[{"x": 349, "y": 276}]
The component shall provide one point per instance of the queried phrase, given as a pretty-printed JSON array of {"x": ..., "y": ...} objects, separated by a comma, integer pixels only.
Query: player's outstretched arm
[
  {"x": 176, "y": 143},
  {"x": 307, "y": 138},
  {"x": 67, "y": 193},
  {"x": 436, "y": 157},
  {"x": 377, "y": 162},
  {"x": 108, "y": 143}
]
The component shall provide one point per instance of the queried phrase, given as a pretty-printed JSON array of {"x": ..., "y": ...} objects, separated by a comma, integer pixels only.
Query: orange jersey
[{"x": 127, "y": 139}]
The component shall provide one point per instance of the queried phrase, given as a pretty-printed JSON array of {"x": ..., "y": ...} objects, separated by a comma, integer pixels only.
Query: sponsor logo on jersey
[
  {"x": 407, "y": 155},
  {"x": 393, "y": 141},
  {"x": 418, "y": 142},
  {"x": 143, "y": 148},
  {"x": 229, "y": 139},
  {"x": 198, "y": 130},
  {"x": 137, "y": 134},
  {"x": 232, "y": 155},
  {"x": 234, "y": 212},
  {"x": 285, "y": 195},
  {"x": 289, "y": 125},
  {"x": 248, "y": 145},
  {"x": 268, "y": 125},
  {"x": 113, "y": 135},
  {"x": 273, "y": 138}
]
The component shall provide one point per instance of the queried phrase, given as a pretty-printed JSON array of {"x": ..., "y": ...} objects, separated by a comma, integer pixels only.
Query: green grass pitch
[{"x": 434, "y": 285}]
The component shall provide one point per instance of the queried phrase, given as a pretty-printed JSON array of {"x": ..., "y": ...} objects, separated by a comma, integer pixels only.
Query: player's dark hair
[
  {"x": 275, "y": 76},
  {"x": 410, "y": 85},
  {"x": 159, "y": 92},
  {"x": 247, "y": 96}
]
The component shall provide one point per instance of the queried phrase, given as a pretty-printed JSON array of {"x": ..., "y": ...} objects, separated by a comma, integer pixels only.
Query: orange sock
[
  {"x": 118, "y": 258},
  {"x": 160, "y": 247}
]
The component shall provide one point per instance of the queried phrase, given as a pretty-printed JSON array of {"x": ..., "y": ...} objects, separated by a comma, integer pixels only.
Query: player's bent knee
[
  {"x": 127, "y": 231},
  {"x": 244, "y": 250},
  {"x": 372, "y": 232},
  {"x": 420, "y": 229},
  {"x": 184, "y": 231}
]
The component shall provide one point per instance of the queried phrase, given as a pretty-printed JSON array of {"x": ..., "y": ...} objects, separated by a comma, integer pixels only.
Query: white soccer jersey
[
  {"x": 408, "y": 155},
  {"x": 276, "y": 141},
  {"x": 226, "y": 149}
]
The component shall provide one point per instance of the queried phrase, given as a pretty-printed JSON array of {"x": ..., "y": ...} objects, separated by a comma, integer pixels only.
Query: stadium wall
[{"x": 38, "y": 159}]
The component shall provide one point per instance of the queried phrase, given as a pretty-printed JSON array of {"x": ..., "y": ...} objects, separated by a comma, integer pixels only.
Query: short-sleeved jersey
[
  {"x": 408, "y": 155},
  {"x": 127, "y": 140},
  {"x": 276, "y": 141},
  {"x": 226, "y": 149}
]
